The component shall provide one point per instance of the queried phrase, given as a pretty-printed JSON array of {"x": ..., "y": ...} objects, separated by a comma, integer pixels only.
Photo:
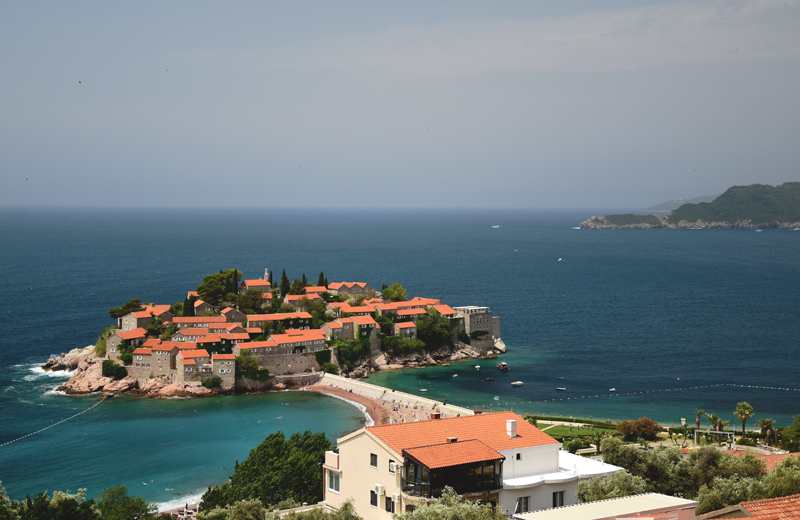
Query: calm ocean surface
[{"x": 634, "y": 310}]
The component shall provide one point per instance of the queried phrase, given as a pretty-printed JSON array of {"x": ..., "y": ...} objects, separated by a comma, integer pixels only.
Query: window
[
  {"x": 373, "y": 460},
  {"x": 558, "y": 499},
  {"x": 373, "y": 498},
  {"x": 522, "y": 504},
  {"x": 519, "y": 456},
  {"x": 333, "y": 481},
  {"x": 389, "y": 504},
  {"x": 391, "y": 468}
]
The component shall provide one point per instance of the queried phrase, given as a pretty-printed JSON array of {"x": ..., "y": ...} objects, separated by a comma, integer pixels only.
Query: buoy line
[
  {"x": 54, "y": 424},
  {"x": 615, "y": 394}
]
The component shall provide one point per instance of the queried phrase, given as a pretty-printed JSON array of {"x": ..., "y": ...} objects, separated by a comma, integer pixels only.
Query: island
[
  {"x": 243, "y": 335},
  {"x": 752, "y": 207}
]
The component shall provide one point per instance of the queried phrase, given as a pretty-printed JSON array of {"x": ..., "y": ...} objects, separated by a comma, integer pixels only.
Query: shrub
[
  {"x": 642, "y": 427},
  {"x": 323, "y": 356},
  {"x": 113, "y": 370},
  {"x": 574, "y": 445},
  {"x": 213, "y": 382},
  {"x": 330, "y": 368}
]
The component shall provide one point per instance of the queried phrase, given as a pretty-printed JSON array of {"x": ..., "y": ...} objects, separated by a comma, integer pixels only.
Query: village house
[
  {"x": 190, "y": 364},
  {"x": 406, "y": 329},
  {"x": 143, "y": 318},
  {"x": 232, "y": 315},
  {"x": 497, "y": 458},
  {"x": 258, "y": 284},
  {"x": 183, "y": 322},
  {"x": 315, "y": 289},
  {"x": 351, "y": 289},
  {"x": 290, "y": 320},
  {"x": 224, "y": 366},
  {"x": 410, "y": 314},
  {"x": 119, "y": 339},
  {"x": 190, "y": 334},
  {"x": 201, "y": 307},
  {"x": 337, "y": 330},
  {"x": 295, "y": 299}
]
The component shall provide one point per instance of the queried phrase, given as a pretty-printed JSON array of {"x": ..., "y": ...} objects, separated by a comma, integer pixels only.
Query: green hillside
[{"x": 758, "y": 203}]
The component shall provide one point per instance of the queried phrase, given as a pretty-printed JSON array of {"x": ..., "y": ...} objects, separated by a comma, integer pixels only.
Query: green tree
[
  {"x": 177, "y": 308},
  {"x": 743, "y": 412},
  {"x": 276, "y": 470},
  {"x": 435, "y": 330},
  {"x": 251, "y": 302},
  {"x": 725, "y": 492},
  {"x": 642, "y": 427},
  {"x": 246, "y": 361},
  {"x": 697, "y": 413},
  {"x": 216, "y": 286},
  {"x": 395, "y": 293},
  {"x": 765, "y": 425},
  {"x": 784, "y": 480},
  {"x": 239, "y": 510},
  {"x": 115, "y": 504},
  {"x": 452, "y": 506},
  {"x": 615, "y": 485},
  {"x": 284, "y": 284},
  {"x": 297, "y": 287},
  {"x": 213, "y": 382},
  {"x": 131, "y": 306},
  {"x": 111, "y": 369},
  {"x": 321, "y": 279}
]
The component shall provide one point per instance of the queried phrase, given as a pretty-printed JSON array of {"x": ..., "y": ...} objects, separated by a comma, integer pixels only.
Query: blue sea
[{"x": 674, "y": 320}]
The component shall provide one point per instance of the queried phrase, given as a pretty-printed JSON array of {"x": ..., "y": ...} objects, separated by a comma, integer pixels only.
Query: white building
[{"x": 498, "y": 458}]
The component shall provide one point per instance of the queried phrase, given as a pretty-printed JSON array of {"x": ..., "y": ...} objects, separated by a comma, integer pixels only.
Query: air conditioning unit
[
  {"x": 395, "y": 497},
  {"x": 394, "y": 467},
  {"x": 379, "y": 489}
]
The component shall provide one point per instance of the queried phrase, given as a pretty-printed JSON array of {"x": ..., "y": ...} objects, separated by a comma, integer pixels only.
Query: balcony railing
[{"x": 461, "y": 486}]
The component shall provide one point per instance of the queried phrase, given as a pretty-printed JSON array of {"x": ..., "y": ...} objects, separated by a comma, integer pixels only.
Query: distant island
[{"x": 751, "y": 207}]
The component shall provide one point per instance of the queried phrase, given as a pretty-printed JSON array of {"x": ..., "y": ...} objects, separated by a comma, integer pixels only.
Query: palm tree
[
  {"x": 713, "y": 419},
  {"x": 765, "y": 425},
  {"x": 698, "y": 412},
  {"x": 743, "y": 412}
]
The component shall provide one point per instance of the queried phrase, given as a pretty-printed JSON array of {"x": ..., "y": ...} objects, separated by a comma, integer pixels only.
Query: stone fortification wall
[
  {"x": 296, "y": 380},
  {"x": 279, "y": 364}
]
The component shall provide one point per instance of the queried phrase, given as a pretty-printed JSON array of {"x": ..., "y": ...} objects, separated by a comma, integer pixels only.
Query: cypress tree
[
  {"x": 305, "y": 282},
  {"x": 321, "y": 280},
  {"x": 284, "y": 284}
]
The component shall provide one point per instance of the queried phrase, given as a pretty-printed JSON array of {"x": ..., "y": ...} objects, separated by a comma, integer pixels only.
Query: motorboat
[
  {"x": 560, "y": 377},
  {"x": 612, "y": 389},
  {"x": 496, "y": 398},
  {"x": 445, "y": 364},
  {"x": 477, "y": 367},
  {"x": 561, "y": 389},
  {"x": 517, "y": 383},
  {"x": 455, "y": 375},
  {"x": 503, "y": 366},
  {"x": 423, "y": 389},
  {"x": 497, "y": 226},
  {"x": 490, "y": 379}
]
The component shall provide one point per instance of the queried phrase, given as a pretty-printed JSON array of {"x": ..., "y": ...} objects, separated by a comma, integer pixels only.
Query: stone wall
[
  {"x": 297, "y": 380},
  {"x": 279, "y": 364}
]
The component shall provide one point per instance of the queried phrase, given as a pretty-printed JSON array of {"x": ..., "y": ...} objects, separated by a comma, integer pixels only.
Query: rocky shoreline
[
  {"x": 603, "y": 223},
  {"x": 88, "y": 377}
]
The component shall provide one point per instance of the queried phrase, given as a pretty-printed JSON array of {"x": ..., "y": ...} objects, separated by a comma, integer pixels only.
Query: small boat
[
  {"x": 496, "y": 398},
  {"x": 477, "y": 367},
  {"x": 612, "y": 389},
  {"x": 559, "y": 260},
  {"x": 423, "y": 389},
  {"x": 445, "y": 364},
  {"x": 560, "y": 377},
  {"x": 561, "y": 389},
  {"x": 759, "y": 230},
  {"x": 490, "y": 379},
  {"x": 455, "y": 375},
  {"x": 517, "y": 383},
  {"x": 503, "y": 366},
  {"x": 495, "y": 227}
]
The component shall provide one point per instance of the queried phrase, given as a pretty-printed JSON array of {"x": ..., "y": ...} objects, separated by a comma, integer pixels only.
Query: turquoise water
[{"x": 634, "y": 310}]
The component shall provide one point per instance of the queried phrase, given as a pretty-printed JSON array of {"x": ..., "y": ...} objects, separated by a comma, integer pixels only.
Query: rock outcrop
[
  {"x": 423, "y": 359},
  {"x": 69, "y": 360}
]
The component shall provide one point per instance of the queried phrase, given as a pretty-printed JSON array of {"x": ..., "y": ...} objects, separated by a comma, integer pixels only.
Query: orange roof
[
  {"x": 198, "y": 303},
  {"x": 386, "y": 306},
  {"x": 189, "y": 354},
  {"x": 132, "y": 334},
  {"x": 770, "y": 460},
  {"x": 334, "y": 324},
  {"x": 363, "y": 320},
  {"x": 257, "y": 344},
  {"x": 165, "y": 346},
  {"x": 191, "y": 293},
  {"x": 210, "y": 339},
  {"x": 783, "y": 507},
  {"x": 316, "y": 289},
  {"x": 186, "y": 361},
  {"x": 445, "y": 310},
  {"x": 253, "y": 330},
  {"x": 233, "y": 336},
  {"x": 278, "y": 317},
  {"x": 151, "y": 342},
  {"x": 361, "y": 308},
  {"x": 298, "y": 297},
  {"x": 453, "y": 454},
  {"x": 489, "y": 428},
  {"x": 258, "y": 282},
  {"x": 410, "y": 312},
  {"x": 424, "y": 301},
  {"x": 193, "y": 331},
  {"x": 406, "y": 325},
  {"x": 183, "y": 347},
  {"x": 338, "y": 285},
  {"x": 154, "y": 309},
  {"x": 142, "y": 351},
  {"x": 338, "y": 305},
  {"x": 223, "y": 356},
  {"x": 199, "y": 319}
]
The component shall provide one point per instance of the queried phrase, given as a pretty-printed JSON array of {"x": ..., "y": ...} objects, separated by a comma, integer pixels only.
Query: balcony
[{"x": 461, "y": 484}]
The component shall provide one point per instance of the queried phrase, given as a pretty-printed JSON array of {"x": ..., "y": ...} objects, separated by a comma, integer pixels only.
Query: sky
[{"x": 524, "y": 104}]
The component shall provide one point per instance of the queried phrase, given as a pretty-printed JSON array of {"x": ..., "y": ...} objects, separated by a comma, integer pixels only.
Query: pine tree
[
  {"x": 321, "y": 280},
  {"x": 305, "y": 282},
  {"x": 284, "y": 284}
]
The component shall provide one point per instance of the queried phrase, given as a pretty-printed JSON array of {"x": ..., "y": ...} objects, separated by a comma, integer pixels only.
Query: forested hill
[{"x": 753, "y": 206}]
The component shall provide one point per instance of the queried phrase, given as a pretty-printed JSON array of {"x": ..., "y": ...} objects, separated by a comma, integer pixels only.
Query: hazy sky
[{"x": 421, "y": 104}]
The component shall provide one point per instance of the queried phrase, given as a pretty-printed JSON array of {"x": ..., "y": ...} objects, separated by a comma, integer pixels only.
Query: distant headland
[{"x": 750, "y": 207}]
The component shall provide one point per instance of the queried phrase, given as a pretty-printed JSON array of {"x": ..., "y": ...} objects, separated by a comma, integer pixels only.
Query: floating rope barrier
[
  {"x": 617, "y": 394},
  {"x": 54, "y": 424}
]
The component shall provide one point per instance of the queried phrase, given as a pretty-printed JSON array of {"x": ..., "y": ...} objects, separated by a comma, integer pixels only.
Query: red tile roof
[
  {"x": 278, "y": 317},
  {"x": 199, "y": 319},
  {"x": 192, "y": 293},
  {"x": 189, "y": 354},
  {"x": 156, "y": 310},
  {"x": 210, "y": 339},
  {"x": 784, "y": 507},
  {"x": 223, "y": 356},
  {"x": 254, "y": 330},
  {"x": 770, "y": 460},
  {"x": 257, "y": 344},
  {"x": 142, "y": 351},
  {"x": 453, "y": 454},
  {"x": 193, "y": 331},
  {"x": 489, "y": 428},
  {"x": 186, "y": 361},
  {"x": 363, "y": 320},
  {"x": 258, "y": 282},
  {"x": 360, "y": 308},
  {"x": 151, "y": 342},
  {"x": 406, "y": 325},
  {"x": 445, "y": 310},
  {"x": 339, "y": 285},
  {"x": 316, "y": 289},
  {"x": 132, "y": 334},
  {"x": 184, "y": 346},
  {"x": 298, "y": 297},
  {"x": 411, "y": 312},
  {"x": 334, "y": 324},
  {"x": 287, "y": 339}
]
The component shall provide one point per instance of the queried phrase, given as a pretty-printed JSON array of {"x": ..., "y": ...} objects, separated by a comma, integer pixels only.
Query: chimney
[
  {"x": 452, "y": 440},
  {"x": 511, "y": 428},
  {"x": 436, "y": 415}
]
